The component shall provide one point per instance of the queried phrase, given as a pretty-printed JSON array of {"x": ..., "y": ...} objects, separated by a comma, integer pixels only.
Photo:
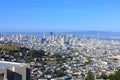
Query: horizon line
[{"x": 58, "y": 31}]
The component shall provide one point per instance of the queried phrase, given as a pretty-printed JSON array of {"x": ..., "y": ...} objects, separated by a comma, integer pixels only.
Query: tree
[
  {"x": 115, "y": 76},
  {"x": 90, "y": 76},
  {"x": 103, "y": 76}
]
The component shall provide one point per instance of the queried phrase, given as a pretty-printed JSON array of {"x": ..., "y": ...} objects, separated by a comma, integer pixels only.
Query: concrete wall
[{"x": 15, "y": 73}]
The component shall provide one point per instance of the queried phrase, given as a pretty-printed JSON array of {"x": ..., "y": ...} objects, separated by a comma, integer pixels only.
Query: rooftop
[{"x": 5, "y": 64}]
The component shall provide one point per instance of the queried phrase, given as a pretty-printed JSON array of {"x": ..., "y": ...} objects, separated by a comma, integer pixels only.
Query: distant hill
[{"x": 105, "y": 33}]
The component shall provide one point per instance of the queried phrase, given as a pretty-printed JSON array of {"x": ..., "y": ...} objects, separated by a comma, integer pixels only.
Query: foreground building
[{"x": 14, "y": 71}]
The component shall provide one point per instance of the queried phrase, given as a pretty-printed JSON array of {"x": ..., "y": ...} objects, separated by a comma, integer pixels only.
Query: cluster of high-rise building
[{"x": 81, "y": 54}]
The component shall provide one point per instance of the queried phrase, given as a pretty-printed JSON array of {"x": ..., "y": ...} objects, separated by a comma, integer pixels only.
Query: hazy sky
[{"x": 59, "y": 15}]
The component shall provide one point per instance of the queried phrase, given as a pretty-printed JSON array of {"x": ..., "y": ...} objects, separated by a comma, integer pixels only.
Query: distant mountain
[
  {"x": 100, "y": 33},
  {"x": 95, "y": 33}
]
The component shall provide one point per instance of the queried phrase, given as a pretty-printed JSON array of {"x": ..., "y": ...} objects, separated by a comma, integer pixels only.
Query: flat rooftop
[
  {"x": 6, "y": 64},
  {"x": 116, "y": 57}
]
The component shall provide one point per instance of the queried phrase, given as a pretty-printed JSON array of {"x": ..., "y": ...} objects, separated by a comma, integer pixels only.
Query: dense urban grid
[{"x": 62, "y": 56}]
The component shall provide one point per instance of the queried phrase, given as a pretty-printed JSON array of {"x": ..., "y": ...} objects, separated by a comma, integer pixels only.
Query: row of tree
[{"x": 115, "y": 76}]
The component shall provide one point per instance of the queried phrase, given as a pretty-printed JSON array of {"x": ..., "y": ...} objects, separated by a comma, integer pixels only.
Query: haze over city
[{"x": 59, "y": 15}]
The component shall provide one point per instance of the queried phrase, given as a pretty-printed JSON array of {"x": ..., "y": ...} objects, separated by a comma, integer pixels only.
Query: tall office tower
[
  {"x": 51, "y": 33},
  {"x": 14, "y": 71}
]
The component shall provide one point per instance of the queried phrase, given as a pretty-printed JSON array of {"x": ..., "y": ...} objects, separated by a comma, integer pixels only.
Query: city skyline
[{"x": 59, "y": 16}]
